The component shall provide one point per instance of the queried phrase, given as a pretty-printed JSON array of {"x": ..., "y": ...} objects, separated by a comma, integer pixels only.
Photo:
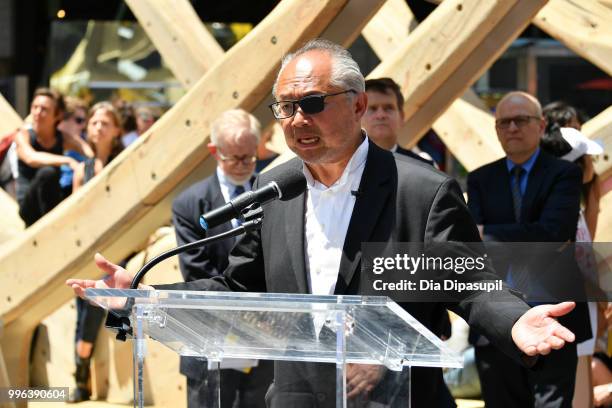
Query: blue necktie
[
  {"x": 517, "y": 196},
  {"x": 237, "y": 191}
]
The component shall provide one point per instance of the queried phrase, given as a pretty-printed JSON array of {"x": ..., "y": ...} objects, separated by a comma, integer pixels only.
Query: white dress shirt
[
  {"x": 227, "y": 188},
  {"x": 328, "y": 213}
]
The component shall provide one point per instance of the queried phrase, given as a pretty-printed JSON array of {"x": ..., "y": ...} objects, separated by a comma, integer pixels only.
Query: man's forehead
[
  {"x": 311, "y": 70},
  {"x": 386, "y": 95},
  {"x": 516, "y": 103}
]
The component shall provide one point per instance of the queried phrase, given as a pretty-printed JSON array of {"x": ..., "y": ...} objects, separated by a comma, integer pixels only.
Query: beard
[{"x": 238, "y": 181}]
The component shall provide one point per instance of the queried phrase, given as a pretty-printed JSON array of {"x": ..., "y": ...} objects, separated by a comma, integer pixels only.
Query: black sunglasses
[{"x": 310, "y": 104}]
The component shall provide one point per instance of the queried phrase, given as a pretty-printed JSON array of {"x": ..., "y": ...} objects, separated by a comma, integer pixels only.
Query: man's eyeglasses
[
  {"x": 246, "y": 160},
  {"x": 519, "y": 121},
  {"x": 310, "y": 105}
]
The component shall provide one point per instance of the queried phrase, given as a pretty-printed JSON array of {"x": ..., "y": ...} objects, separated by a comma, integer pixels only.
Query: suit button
[{"x": 320, "y": 396}]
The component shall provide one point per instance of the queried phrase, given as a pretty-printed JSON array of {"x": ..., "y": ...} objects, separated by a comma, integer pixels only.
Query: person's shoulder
[
  {"x": 411, "y": 169},
  {"x": 401, "y": 152},
  {"x": 486, "y": 168},
  {"x": 196, "y": 191},
  {"x": 553, "y": 162}
]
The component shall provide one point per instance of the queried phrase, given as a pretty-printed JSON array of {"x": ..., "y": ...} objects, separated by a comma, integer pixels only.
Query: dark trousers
[
  {"x": 238, "y": 389},
  {"x": 89, "y": 320},
  {"x": 38, "y": 196},
  {"x": 506, "y": 384}
]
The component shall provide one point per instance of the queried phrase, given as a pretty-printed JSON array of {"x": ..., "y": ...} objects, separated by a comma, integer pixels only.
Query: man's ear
[
  {"x": 212, "y": 148},
  {"x": 361, "y": 104}
]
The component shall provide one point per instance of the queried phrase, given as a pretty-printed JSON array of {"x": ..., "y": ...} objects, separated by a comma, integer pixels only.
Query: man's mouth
[{"x": 308, "y": 140}]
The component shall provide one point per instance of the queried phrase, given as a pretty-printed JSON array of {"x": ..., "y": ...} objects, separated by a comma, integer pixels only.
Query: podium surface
[{"x": 284, "y": 327}]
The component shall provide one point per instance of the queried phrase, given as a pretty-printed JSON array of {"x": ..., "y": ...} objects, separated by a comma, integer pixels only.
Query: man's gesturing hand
[
  {"x": 117, "y": 278},
  {"x": 538, "y": 331}
]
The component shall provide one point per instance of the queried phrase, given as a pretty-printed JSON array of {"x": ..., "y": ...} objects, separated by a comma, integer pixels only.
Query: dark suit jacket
[
  {"x": 206, "y": 261},
  {"x": 405, "y": 152},
  {"x": 549, "y": 213},
  {"x": 400, "y": 200},
  {"x": 210, "y": 260}
]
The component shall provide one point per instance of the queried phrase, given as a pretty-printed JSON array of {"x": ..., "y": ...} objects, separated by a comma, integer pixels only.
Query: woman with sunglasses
[{"x": 103, "y": 135}]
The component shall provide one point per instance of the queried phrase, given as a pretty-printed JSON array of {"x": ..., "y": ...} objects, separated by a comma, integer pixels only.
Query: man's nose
[
  {"x": 512, "y": 127},
  {"x": 300, "y": 118},
  {"x": 380, "y": 113}
]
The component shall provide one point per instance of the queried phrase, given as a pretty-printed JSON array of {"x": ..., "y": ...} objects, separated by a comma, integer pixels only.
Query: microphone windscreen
[{"x": 291, "y": 183}]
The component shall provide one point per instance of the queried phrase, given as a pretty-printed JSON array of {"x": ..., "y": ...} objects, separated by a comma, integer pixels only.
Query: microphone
[
  {"x": 356, "y": 193},
  {"x": 287, "y": 185}
]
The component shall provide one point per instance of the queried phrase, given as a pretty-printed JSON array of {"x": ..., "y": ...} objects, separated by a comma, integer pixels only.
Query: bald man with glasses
[{"x": 528, "y": 196}]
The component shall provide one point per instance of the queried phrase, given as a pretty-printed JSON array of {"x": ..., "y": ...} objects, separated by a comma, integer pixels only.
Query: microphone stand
[{"x": 251, "y": 218}]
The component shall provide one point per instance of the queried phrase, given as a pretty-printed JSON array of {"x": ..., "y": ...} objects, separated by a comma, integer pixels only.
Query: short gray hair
[
  {"x": 233, "y": 120},
  {"x": 345, "y": 72}
]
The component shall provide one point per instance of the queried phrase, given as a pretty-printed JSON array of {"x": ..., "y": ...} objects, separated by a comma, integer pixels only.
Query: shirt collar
[
  {"x": 356, "y": 162},
  {"x": 527, "y": 166}
]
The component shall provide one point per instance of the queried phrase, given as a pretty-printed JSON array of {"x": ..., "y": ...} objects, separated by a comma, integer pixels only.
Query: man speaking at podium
[{"x": 356, "y": 192}]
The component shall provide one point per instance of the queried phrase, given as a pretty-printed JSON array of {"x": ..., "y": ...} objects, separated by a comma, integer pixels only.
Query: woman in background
[
  {"x": 103, "y": 135},
  {"x": 562, "y": 138}
]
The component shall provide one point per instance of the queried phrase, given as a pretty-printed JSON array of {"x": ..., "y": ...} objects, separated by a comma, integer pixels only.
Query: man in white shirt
[{"x": 321, "y": 99}]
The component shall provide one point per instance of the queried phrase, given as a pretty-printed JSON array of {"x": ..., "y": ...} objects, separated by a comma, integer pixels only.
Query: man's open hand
[
  {"x": 538, "y": 331},
  {"x": 117, "y": 278}
]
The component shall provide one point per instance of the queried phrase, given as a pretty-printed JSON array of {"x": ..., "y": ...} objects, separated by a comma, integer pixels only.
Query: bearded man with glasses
[
  {"x": 234, "y": 138},
  {"x": 528, "y": 196}
]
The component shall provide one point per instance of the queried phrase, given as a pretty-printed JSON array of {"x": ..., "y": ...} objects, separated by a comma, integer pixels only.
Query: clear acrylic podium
[{"x": 316, "y": 341}]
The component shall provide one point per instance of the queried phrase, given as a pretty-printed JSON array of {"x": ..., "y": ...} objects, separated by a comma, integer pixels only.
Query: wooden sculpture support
[
  {"x": 448, "y": 51},
  {"x": 108, "y": 212}
]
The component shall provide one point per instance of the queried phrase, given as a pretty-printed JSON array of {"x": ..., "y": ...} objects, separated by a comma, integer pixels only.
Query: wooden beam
[
  {"x": 173, "y": 26},
  {"x": 584, "y": 26},
  {"x": 389, "y": 27},
  {"x": 12, "y": 224},
  {"x": 129, "y": 188},
  {"x": 600, "y": 129},
  {"x": 9, "y": 119},
  {"x": 467, "y": 128},
  {"x": 448, "y": 51}
]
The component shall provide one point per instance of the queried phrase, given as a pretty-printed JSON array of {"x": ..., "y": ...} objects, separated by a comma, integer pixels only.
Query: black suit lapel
[
  {"x": 499, "y": 187},
  {"x": 294, "y": 219},
  {"x": 374, "y": 191}
]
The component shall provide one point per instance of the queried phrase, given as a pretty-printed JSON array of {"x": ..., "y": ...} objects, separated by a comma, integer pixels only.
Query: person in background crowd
[
  {"x": 40, "y": 149},
  {"x": 128, "y": 118},
  {"x": 103, "y": 132},
  {"x": 74, "y": 122},
  {"x": 234, "y": 143},
  {"x": 385, "y": 116},
  {"x": 527, "y": 196},
  {"x": 264, "y": 155},
  {"x": 562, "y": 138},
  {"x": 145, "y": 117}
]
